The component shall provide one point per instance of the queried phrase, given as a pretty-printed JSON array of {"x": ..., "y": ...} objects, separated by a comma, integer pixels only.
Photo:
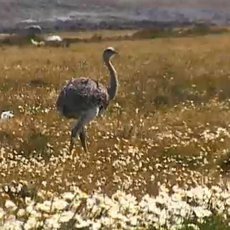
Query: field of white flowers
[
  {"x": 158, "y": 158},
  {"x": 178, "y": 209}
]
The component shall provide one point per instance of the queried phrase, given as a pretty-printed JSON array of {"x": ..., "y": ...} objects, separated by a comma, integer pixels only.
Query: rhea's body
[{"x": 81, "y": 95}]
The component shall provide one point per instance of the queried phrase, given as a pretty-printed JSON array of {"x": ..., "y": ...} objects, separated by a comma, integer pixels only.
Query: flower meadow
[
  {"x": 77, "y": 210},
  {"x": 158, "y": 157}
]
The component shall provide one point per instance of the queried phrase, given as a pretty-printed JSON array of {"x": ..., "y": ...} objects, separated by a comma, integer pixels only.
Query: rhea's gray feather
[{"x": 79, "y": 95}]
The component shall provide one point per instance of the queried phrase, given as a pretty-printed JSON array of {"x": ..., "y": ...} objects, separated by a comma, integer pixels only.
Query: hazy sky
[
  {"x": 180, "y": 3},
  {"x": 12, "y": 11}
]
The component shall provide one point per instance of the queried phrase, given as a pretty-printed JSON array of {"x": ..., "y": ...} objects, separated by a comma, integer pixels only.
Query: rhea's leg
[
  {"x": 71, "y": 144},
  {"x": 78, "y": 129},
  {"x": 83, "y": 139}
]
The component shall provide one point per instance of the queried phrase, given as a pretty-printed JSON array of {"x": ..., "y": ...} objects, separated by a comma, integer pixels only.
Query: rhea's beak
[{"x": 117, "y": 53}]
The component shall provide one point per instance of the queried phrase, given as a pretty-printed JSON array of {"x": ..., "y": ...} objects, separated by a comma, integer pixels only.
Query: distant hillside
[{"x": 85, "y": 14}]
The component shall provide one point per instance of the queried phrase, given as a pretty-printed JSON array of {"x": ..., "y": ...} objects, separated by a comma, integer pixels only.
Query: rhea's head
[{"x": 109, "y": 53}]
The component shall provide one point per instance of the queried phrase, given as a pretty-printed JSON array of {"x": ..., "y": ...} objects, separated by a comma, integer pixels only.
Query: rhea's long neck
[{"x": 113, "y": 86}]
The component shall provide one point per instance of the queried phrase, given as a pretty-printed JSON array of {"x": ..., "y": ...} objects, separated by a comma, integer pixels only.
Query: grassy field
[{"x": 169, "y": 125}]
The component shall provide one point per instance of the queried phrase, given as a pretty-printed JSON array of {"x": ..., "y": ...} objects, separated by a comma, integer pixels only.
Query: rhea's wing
[{"x": 81, "y": 94}]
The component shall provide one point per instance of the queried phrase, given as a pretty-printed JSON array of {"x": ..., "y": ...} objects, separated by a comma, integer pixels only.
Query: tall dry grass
[{"x": 169, "y": 123}]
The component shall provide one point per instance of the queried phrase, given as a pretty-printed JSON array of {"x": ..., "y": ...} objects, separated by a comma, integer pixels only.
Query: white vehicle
[{"x": 53, "y": 38}]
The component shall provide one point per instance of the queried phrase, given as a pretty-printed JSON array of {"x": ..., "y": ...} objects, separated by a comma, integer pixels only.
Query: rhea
[{"x": 84, "y": 99}]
